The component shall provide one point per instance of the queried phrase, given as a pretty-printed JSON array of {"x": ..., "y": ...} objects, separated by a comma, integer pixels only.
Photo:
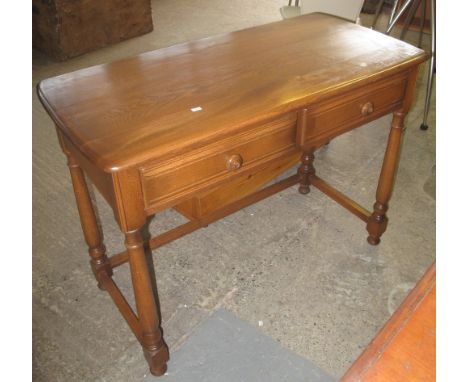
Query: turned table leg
[
  {"x": 99, "y": 261},
  {"x": 154, "y": 348},
  {"x": 377, "y": 222},
  {"x": 305, "y": 171}
]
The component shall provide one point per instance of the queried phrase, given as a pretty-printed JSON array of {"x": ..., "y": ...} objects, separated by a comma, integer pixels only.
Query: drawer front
[
  {"x": 333, "y": 117},
  {"x": 232, "y": 191},
  {"x": 169, "y": 182}
]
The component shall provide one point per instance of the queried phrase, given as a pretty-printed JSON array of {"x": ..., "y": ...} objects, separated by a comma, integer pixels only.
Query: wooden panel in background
[
  {"x": 415, "y": 22},
  {"x": 405, "y": 348},
  {"x": 64, "y": 29}
]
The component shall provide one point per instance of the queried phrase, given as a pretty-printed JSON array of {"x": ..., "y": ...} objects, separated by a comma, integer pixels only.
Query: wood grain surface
[{"x": 118, "y": 113}]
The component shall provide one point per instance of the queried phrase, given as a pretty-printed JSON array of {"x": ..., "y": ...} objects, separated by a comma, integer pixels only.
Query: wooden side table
[{"x": 202, "y": 127}]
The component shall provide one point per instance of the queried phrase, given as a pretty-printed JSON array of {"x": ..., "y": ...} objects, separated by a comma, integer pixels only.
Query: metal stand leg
[
  {"x": 409, "y": 18},
  {"x": 402, "y": 10},
  {"x": 391, "y": 24},
  {"x": 377, "y": 13},
  {"x": 421, "y": 24},
  {"x": 392, "y": 13},
  {"x": 430, "y": 74}
]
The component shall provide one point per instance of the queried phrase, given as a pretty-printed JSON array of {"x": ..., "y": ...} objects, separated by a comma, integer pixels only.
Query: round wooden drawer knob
[
  {"x": 367, "y": 108},
  {"x": 234, "y": 162}
]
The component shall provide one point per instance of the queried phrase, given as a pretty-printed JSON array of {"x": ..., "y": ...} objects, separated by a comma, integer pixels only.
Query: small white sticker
[
  {"x": 260, "y": 323},
  {"x": 195, "y": 109}
]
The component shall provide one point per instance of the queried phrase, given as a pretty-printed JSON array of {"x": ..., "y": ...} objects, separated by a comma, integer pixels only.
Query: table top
[{"x": 173, "y": 99}]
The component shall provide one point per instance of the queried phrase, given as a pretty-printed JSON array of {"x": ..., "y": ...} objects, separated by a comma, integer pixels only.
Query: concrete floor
[{"x": 300, "y": 264}]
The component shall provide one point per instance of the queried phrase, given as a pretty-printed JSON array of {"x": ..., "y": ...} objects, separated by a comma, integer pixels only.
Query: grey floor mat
[{"x": 225, "y": 348}]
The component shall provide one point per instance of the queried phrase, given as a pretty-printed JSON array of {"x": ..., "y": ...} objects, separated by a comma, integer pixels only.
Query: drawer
[
  {"x": 232, "y": 191},
  {"x": 172, "y": 181},
  {"x": 330, "y": 118}
]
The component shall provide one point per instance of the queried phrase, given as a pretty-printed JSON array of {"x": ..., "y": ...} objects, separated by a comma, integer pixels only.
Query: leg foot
[
  {"x": 100, "y": 264},
  {"x": 157, "y": 360},
  {"x": 154, "y": 347},
  {"x": 101, "y": 286},
  {"x": 160, "y": 370},
  {"x": 377, "y": 223},
  {"x": 423, "y": 126},
  {"x": 304, "y": 189},
  {"x": 373, "y": 240},
  {"x": 306, "y": 170}
]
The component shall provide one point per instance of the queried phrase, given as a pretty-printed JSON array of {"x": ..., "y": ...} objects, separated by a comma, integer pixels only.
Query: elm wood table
[{"x": 202, "y": 127}]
